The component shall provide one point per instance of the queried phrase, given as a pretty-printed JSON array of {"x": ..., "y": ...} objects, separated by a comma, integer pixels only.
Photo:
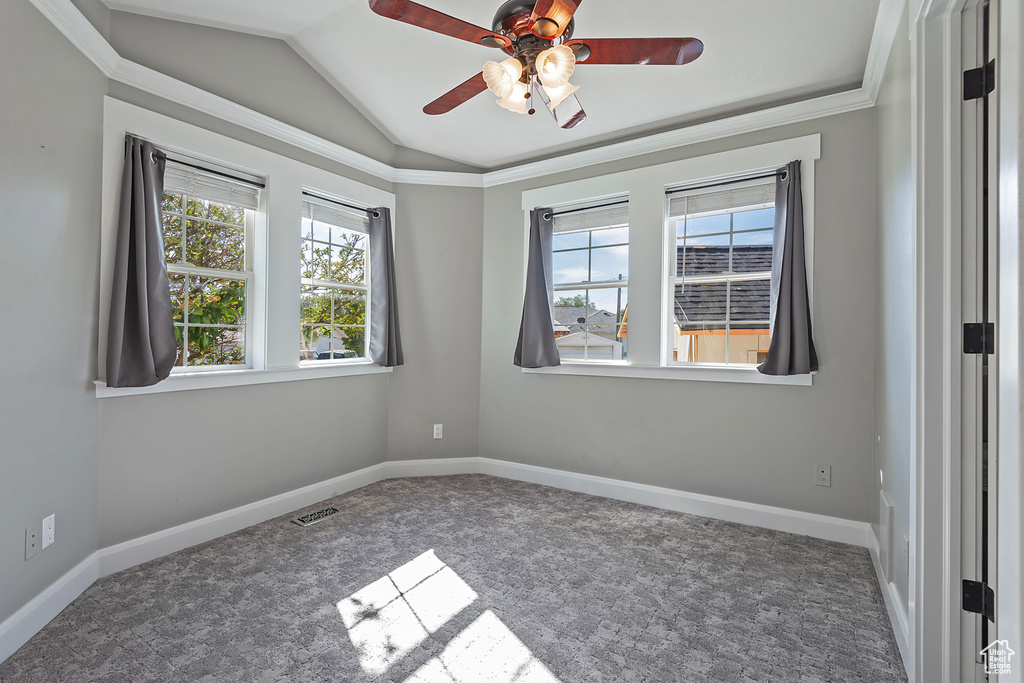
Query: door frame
[{"x": 1010, "y": 560}]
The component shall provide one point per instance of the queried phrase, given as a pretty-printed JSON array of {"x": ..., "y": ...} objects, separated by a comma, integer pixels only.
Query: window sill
[
  {"x": 703, "y": 373},
  {"x": 212, "y": 379}
]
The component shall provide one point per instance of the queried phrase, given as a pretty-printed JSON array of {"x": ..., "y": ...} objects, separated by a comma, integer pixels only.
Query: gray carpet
[{"x": 476, "y": 578}]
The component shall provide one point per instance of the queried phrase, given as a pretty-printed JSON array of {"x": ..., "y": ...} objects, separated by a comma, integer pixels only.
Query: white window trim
[
  {"x": 649, "y": 265},
  {"x": 274, "y": 353}
]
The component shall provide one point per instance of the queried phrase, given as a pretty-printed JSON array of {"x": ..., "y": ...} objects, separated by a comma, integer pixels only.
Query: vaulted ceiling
[{"x": 756, "y": 53}]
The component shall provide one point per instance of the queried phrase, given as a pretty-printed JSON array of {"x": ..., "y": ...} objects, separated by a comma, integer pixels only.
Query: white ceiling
[{"x": 755, "y": 52}]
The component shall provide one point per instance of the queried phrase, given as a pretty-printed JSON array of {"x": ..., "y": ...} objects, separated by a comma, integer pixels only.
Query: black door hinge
[
  {"x": 980, "y": 338},
  {"x": 979, "y": 598},
  {"x": 980, "y": 82}
]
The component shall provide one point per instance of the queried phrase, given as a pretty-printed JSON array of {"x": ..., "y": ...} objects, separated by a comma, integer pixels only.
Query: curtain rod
[
  {"x": 204, "y": 169},
  {"x": 781, "y": 173},
  {"x": 373, "y": 212},
  {"x": 589, "y": 208}
]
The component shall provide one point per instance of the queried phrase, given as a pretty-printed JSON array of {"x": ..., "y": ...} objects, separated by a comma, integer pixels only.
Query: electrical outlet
[
  {"x": 33, "y": 537},
  {"x": 48, "y": 537},
  {"x": 823, "y": 475},
  {"x": 438, "y": 431}
]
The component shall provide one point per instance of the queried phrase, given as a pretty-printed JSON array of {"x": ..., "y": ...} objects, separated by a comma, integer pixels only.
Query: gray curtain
[
  {"x": 141, "y": 349},
  {"x": 385, "y": 338},
  {"x": 792, "y": 347},
  {"x": 536, "y": 347}
]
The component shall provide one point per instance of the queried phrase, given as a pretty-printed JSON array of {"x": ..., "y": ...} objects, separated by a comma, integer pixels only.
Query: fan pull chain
[{"x": 529, "y": 95}]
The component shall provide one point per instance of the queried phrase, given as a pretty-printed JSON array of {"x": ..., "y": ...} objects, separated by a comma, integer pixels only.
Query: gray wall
[
  {"x": 753, "y": 443},
  {"x": 438, "y": 250},
  {"x": 49, "y": 265},
  {"x": 167, "y": 459},
  {"x": 894, "y": 351}
]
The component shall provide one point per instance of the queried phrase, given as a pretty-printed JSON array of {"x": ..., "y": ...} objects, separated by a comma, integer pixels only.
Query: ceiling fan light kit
[{"x": 537, "y": 36}]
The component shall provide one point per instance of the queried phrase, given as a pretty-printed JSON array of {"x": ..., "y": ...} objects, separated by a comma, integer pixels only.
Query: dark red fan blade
[
  {"x": 640, "y": 50},
  {"x": 457, "y": 95},
  {"x": 550, "y": 17},
  {"x": 432, "y": 20}
]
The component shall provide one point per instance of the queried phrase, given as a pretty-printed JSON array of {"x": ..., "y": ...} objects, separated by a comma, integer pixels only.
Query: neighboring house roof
[
  {"x": 599, "y": 320},
  {"x": 702, "y": 304}
]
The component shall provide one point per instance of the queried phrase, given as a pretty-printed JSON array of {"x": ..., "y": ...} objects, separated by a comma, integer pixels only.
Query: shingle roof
[
  {"x": 699, "y": 305},
  {"x": 600, "y": 321}
]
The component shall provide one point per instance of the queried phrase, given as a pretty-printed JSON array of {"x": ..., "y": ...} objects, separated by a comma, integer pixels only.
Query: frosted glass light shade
[
  {"x": 502, "y": 77},
  {"x": 516, "y": 100},
  {"x": 555, "y": 65},
  {"x": 559, "y": 94}
]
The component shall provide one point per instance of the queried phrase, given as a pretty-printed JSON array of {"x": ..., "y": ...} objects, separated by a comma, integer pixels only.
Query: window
[
  {"x": 207, "y": 231},
  {"x": 332, "y": 319},
  {"x": 590, "y": 265},
  {"x": 721, "y": 280}
]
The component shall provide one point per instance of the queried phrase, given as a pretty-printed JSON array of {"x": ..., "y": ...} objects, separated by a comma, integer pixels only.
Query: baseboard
[
  {"x": 18, "y": 628},
  {"x": 21, "y": 626},
  {"x": 434, "y": 467},
  {"x": 136, "y": 551},
  {"x": 751, "y": 514},
  {"x": 894, "y": 607}
]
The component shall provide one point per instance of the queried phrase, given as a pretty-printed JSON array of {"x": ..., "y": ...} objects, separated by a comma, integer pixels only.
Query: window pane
[
  {"x": 177, "y": 284},
  {"x": 179, "y": 336},
  {"x": 570, "y": 240},
  {"x": 214, "y": 211},
  {"x": 214, "y": 301},
  {"x": 706, "y": 225},
  {"x": 609, "y": 263},
  {"x": 216, "y": 346},
  {"x": 172, "y": 238},
  {"x": 703, "y": 256},
  {"x": 752, "y": 252},
  {"x": 349, "y": 308},
  {"x": 352, "y": 340},
  {"x": 319, "y": 231},
  {"x": 210, "y": 245},
  {"x": 315, "y": 305},
  {"x": 570, "y": 266},
  {"x": 610, "y": 236},
  {"x": 748, "y": 344},
  {"x": 572, "y": 309},
  {"x": 702, "y": 344},
  {"x": 348, "y": 238},
  {"x": 347, "y": 265},
  {"x": 758, "y": 218},
  {"x": 750, "y": 300},
  {"x": 700, "y": 301},
  {"x": 171, "y": 203}
]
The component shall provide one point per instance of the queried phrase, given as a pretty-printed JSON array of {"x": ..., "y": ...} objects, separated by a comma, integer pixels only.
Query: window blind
[
  {"x": 758, "y": 193},
  {"x": 195, "y": 183},
  {"x": 325, "y": 212},
  {"x": 589, "y": 219}
]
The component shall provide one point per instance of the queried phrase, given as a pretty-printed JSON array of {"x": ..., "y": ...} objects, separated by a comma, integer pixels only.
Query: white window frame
[
  {"x": 344, "y": 286},
  {"x": 650, "y": 298},
  {"x": 674, "y": 279},
  {"x": 596, "y": 284},
  {"x": 272, "y": 308},
  {"x": 246, "y": 275}
]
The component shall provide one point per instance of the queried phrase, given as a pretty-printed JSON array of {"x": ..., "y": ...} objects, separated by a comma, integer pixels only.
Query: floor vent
[{"x": 314, "y": 517}]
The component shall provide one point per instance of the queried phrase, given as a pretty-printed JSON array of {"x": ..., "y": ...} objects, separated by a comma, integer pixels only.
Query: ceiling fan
[{"x": 538, "y": 36}]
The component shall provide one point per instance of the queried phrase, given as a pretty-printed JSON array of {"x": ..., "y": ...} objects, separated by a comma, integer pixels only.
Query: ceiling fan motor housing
[{"x": 513, "y": 20}]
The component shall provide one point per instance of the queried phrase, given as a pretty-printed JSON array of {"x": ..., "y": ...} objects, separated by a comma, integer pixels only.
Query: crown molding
[
  {"x": 83, "y": 35},
  {"x": 828, "y": 105},
  {"x": 887, "y": 25}
]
